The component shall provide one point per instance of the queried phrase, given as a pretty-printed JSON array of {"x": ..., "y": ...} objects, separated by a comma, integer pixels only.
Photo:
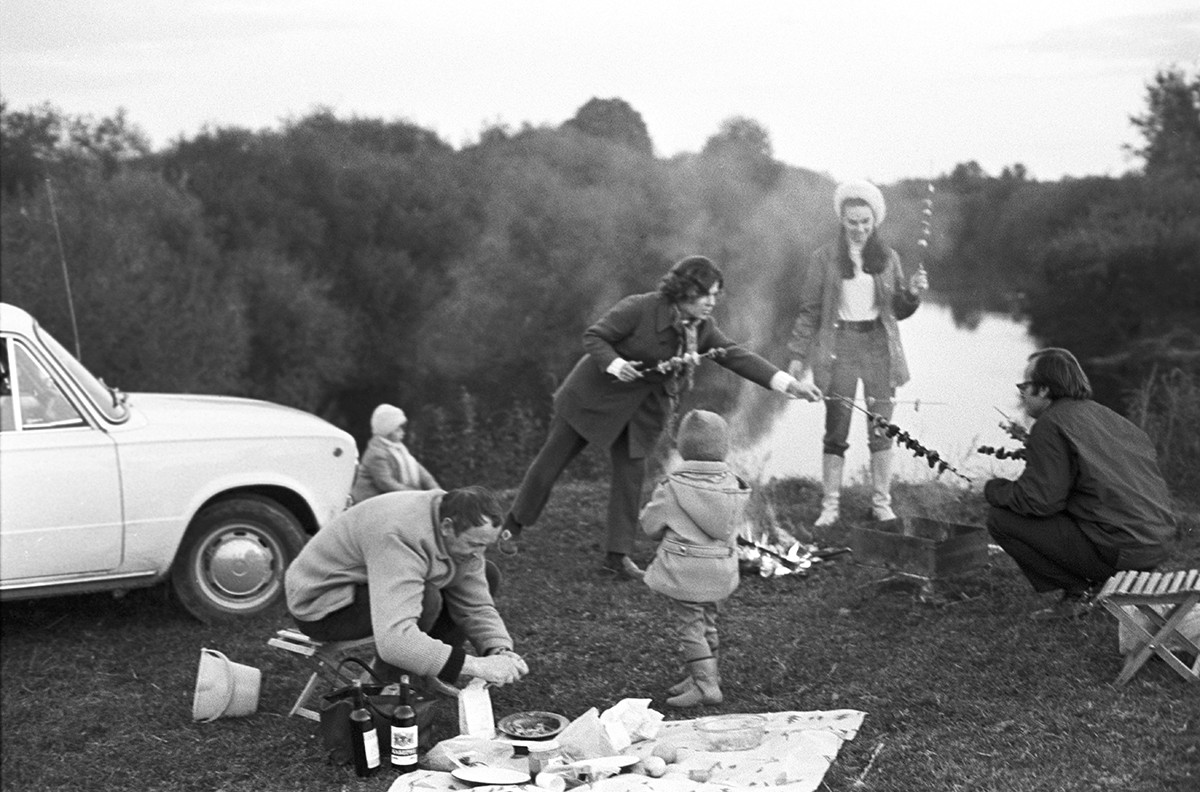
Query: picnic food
[
  {"x": 1003, "y": 453},
  {"x": 884, "y": 426},
  {"x": 667, "y": 752},
  {"x": 532, "y": 725},
  {"x": 655, "y": 766}
]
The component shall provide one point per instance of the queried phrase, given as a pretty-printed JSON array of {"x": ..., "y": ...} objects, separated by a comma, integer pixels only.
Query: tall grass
[{"x": 1167, "y": 407}]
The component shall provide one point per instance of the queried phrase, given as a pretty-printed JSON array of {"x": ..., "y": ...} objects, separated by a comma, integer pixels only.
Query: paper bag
[
  {"x": 475, "y": 710},
  {"x": 629, "y": 721},
  {"x": 585, "y": 738}
]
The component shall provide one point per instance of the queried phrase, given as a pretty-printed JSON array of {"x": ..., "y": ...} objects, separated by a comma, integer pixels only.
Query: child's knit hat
[
  {"x": 386, "y": 419},
  {"x": 703, "y": 436}
]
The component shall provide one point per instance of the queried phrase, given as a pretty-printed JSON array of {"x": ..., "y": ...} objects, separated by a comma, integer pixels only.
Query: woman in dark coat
[{"x": 639, "y": 359}]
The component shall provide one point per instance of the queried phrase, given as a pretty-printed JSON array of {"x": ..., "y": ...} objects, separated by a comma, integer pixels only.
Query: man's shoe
[
  {"x": 1073, "y": 605},
  {"x": 621, "y": 567}
]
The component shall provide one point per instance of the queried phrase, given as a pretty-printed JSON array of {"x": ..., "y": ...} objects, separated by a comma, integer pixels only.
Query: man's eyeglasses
[{"x": 1021, "y": 386}]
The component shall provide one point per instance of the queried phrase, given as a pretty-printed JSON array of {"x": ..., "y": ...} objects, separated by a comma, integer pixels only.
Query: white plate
[
  {"x": 478, "y": 774},
  {"x": 606, "y": 762}
]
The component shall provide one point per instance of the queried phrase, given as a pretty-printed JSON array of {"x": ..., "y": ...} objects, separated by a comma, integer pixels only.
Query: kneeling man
[
  {"x": 1091, "y": 500},
  {"x": 409, "y": 568}
]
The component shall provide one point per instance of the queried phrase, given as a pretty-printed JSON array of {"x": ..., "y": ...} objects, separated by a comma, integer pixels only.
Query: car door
[{"x": 60, "y": 488}]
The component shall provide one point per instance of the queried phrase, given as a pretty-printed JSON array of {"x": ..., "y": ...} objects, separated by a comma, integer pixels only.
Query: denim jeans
[{"x": 859, "y": 355}]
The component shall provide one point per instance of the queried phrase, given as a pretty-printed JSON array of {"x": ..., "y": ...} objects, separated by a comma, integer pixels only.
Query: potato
[
  {"x": 656, "y": 766},
  {"x": 701, "y": 776},
  {"x": 667, "y": 752}
]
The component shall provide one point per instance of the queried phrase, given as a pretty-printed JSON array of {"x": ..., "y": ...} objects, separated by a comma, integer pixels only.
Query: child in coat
[{"x": 696, "y": 513}]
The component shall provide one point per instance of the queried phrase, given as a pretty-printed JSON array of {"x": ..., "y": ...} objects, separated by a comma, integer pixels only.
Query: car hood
[{"x": 209, "y": 417}]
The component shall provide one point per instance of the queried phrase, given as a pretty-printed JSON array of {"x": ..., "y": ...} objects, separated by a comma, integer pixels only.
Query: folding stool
[
  {"x": 1180, "y": 591},
  {"x": 324, "y": 659}
]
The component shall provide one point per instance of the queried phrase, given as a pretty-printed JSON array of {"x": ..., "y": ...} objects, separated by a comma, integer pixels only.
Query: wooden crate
[{"x": 920, "y": 546}]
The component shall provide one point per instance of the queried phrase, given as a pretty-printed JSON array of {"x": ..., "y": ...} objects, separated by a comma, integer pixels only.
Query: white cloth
[{"x": 796, "y": 753}]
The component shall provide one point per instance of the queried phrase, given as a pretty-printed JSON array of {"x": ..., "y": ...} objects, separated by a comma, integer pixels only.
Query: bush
[{"x": 1167, "y": 407}]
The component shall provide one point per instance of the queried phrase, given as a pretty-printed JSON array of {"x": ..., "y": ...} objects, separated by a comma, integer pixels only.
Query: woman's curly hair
[{"x": 690, "y": 278}]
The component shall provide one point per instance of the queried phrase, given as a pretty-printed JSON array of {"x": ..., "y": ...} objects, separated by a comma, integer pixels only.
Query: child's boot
[{"x": 702, "y": 687}]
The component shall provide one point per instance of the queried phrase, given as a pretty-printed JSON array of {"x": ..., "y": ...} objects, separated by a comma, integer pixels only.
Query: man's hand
[
  {"x": 498, "y": 669},
  {"x": 919, "y": 282}
]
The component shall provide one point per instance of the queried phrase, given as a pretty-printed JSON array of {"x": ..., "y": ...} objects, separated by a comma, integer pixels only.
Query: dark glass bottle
[
  {"x": 404, "y": 732},
  {"x": 363, "y": 736}
]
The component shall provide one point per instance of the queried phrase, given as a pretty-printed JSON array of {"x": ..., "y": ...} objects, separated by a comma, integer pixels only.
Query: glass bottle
[
  {"x": 364, "y": 739},
  {"x": 404, "y": 732}
]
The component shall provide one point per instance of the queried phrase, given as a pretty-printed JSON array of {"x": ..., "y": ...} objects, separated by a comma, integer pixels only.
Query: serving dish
[
  {"x": 532, "y": 725},
  {"x": 732, "y": 732}
]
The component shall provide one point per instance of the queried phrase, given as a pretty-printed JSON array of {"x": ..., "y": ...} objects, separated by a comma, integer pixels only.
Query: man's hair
[
  {"x": 466, "y": 507},
  {"x": 1057, "y": 370},
  {"x": 690, "y": 278}
]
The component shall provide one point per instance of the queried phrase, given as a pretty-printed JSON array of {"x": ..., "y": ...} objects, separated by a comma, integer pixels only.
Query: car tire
[{"x": 231, "y": 562}]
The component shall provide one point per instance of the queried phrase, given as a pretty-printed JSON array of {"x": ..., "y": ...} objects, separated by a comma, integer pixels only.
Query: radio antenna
[{"x": 62, "y": 257}]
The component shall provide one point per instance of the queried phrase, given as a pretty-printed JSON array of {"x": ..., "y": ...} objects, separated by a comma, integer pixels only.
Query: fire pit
[{"x": 920, "y": 546}]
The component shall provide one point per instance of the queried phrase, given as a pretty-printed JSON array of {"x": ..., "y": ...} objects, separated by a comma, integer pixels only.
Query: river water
[{"x": 960, "y": 377}]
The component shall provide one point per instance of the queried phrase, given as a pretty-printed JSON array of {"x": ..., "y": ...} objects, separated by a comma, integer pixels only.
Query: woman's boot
[
  {"x": 881, "y": 485},
  {"x": 831, "y": 481}
]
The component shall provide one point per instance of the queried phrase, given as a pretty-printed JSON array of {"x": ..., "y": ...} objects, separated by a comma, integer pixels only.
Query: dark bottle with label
[
  {"x": 364, "y": 739},
  {"x": 404, "y": 732}
]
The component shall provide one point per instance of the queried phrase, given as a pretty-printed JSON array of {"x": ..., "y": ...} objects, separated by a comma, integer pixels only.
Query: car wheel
[{"x": 233, "y": 556}]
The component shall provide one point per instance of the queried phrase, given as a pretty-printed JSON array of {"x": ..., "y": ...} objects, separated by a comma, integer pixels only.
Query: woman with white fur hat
[
  {"x": 386, "y": 464},
  {"x": 854, "y": 293}
]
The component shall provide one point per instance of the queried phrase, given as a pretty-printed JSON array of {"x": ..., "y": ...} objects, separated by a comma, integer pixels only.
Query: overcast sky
[{"x": 877, "y": 89}]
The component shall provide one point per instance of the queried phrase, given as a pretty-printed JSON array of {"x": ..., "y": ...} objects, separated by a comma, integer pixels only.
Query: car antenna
[{"x": 62, "y": 257}]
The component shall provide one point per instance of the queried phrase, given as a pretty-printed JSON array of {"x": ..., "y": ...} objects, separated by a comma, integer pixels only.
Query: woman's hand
[
  {"x": 628, "y": 372},
  {"x": 919, "y": 281},
  {"x": 804, "y": 390}
]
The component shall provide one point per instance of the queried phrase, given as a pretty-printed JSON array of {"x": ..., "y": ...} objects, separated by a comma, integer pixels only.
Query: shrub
[{"x": 1167, "y": 407}]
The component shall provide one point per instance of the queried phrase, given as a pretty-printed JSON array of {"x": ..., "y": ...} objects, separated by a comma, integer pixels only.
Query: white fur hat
[
  {"x": 387, "y": 419},
  {"x": 864, "y": 191}
]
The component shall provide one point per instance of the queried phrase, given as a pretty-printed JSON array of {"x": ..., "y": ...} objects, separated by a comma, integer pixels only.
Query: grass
[{"x": 962, "y": 691}]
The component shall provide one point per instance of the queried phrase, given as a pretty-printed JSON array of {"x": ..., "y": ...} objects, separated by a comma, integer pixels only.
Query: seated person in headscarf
[{"x": 386, "y": 464}]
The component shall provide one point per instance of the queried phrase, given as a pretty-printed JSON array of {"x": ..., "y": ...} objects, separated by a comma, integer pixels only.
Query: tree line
[{"x": 336, "y": 263}]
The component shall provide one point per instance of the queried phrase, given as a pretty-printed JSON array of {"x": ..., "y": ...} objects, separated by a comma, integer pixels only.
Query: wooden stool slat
[
  {"x": 1152, "y": 583},
  {"x": 1139, "y": 583},
  {"x": 1167, "y": 584},
  {"x": 1111, "y": 585}
]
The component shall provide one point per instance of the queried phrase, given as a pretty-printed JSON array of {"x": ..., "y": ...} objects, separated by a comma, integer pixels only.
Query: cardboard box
[{"x": 920, "y": 546}]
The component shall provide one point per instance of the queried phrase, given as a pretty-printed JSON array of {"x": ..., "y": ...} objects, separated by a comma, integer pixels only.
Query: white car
[{"x": 100, "y": 490}]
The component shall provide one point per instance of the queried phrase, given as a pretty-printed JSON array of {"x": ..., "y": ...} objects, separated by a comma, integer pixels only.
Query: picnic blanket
[{"x": 794, "y": 756}]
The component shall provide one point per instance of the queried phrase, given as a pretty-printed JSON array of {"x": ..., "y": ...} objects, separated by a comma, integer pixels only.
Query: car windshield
[{"x": 108, "y": 400}]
